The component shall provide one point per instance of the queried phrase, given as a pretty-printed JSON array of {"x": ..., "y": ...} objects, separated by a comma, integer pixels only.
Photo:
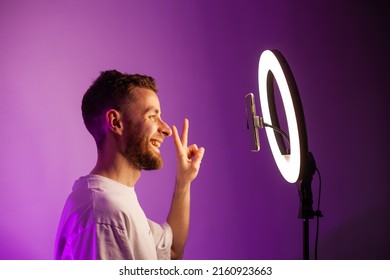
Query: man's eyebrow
[{"x": 152, "y": 108}]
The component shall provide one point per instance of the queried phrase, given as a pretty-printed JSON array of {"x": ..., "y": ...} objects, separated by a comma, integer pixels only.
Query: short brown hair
[{"x": 111, "y": 90}]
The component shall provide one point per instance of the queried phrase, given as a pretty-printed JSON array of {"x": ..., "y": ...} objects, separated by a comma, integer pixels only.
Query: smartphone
[{"x": 252, "y": 122}]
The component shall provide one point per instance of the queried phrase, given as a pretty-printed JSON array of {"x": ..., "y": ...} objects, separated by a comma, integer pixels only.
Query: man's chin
[
  {"x": 144, "y": 159},
  {"x": 153, "y": 166},
  {"x": 153, "y": 161}
]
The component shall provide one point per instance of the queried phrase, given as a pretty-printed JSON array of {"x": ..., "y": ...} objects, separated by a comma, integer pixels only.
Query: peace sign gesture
[{"x": 188, "y": 158}]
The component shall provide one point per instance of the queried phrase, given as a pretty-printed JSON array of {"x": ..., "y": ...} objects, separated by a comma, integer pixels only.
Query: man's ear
[{"x": 114, "y": 121}]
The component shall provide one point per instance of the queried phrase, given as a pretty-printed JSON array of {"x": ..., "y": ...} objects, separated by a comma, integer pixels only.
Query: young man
[{"x": 102, "y": 218}]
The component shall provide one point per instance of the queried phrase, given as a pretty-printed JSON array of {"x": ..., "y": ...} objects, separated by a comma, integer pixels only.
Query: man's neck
[{"x": 117, "y": 168}]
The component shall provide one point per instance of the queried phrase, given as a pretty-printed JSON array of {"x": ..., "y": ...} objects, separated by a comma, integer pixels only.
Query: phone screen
[{"x": 250, "y": 118}]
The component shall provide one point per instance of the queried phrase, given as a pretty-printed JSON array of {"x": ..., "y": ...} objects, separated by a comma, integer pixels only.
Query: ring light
[
  {"x": 272, "y": 64},
  {"x": 296, "y": 164}
]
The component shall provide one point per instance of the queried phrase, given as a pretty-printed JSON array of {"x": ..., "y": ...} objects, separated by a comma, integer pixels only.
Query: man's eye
[{"x": 154, "y": 117}]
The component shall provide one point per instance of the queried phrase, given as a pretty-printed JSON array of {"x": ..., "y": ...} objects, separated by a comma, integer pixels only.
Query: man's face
[{"x": 144, "y": 131}]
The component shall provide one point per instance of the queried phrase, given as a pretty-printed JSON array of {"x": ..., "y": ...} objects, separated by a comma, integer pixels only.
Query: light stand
[
  {"x": 296, "y": 164},
  {"x": 306, "y": 211}
]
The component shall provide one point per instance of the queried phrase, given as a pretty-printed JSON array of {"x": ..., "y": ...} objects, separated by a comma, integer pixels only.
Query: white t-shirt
[{"x": 102, "y": 219}]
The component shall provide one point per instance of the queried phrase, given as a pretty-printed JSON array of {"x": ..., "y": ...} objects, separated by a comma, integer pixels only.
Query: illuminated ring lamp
[
  {"x": 296, "y": 164},
  {"x": 273, "y": 65}
]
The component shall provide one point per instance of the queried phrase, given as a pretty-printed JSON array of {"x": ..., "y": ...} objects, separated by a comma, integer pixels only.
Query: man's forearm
[{"x": 179, "y": 218}]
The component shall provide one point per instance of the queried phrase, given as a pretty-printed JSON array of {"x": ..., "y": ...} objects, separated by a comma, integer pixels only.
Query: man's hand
[
  {"x": 188, "y": 158},
  {"x": 188, "y": 164}
]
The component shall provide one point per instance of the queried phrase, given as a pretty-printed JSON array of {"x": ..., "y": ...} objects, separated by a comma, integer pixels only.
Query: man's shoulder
[{"x": 109, "y": 202}]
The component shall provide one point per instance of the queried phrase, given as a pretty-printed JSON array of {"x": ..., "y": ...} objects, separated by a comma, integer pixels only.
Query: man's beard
[{"x": 138, "y": 150}]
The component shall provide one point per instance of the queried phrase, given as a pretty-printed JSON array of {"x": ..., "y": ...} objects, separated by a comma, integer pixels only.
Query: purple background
[{"x": 204, "y": 55}]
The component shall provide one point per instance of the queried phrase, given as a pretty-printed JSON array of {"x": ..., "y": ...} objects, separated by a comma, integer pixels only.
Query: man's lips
[{"x": 156, "y": 143}]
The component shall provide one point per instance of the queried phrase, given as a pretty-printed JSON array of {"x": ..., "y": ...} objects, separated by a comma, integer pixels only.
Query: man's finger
[
  {"x": 198, "y": 157},
  {"x": 176, "y": 139},
  {"x": 191, "y": 151},
  {"x": 184, "y": 134}
]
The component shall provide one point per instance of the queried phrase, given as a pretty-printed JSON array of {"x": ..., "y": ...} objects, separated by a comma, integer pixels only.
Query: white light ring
[{"x": 289, "y": 165}]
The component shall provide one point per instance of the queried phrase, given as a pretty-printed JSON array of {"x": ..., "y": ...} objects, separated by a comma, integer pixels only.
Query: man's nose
[{"x": 165, "y": 129}]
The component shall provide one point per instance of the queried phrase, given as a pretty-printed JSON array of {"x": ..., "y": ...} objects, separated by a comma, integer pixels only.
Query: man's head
[{"x": 118, "y": 104}]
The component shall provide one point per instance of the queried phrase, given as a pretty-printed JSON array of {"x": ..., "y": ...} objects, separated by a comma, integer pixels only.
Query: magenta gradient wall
[{"x": 204, "y": 55}]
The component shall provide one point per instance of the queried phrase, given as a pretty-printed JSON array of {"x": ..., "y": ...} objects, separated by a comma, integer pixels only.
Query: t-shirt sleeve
[
  {"x": 98, "y": 242},
  {"x": 163, "y": 237},
  {"x": 112, "y": 243}
]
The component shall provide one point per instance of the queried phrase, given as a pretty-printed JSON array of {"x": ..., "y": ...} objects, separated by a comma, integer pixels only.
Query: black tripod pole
[
  {"x": 306, "y": 247},
  {"x": 306, "y": 211}
]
